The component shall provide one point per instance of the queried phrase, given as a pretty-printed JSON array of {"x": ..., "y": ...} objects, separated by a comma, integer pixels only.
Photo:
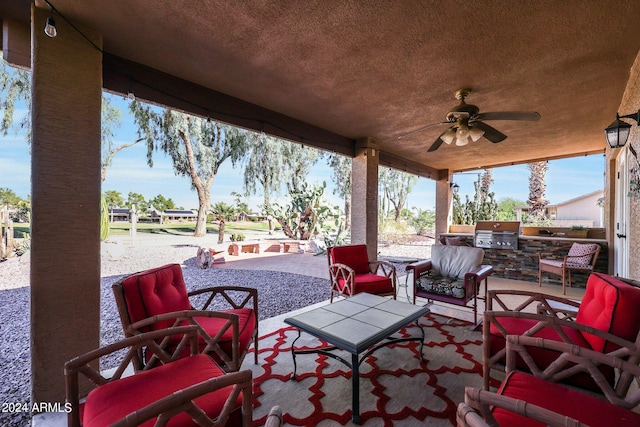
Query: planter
[
  {"x": 462, "y": 228},
  {"x": 578, "y": 234}
]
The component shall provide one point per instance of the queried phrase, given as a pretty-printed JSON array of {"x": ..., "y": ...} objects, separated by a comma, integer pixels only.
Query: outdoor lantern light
[
  {"x": 50, "y": 28},
  {"x": 618, "y": 132},
  {"x": 454, "y": 187}
]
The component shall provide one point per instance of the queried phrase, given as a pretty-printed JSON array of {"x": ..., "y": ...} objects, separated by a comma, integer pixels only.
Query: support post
[
  {"x": 364, "y": 196},
  {"x": 65, "y": 191}
]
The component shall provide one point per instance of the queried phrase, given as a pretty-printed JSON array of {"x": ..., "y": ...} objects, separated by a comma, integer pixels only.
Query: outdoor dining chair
[{"x": 158, "y": 298}]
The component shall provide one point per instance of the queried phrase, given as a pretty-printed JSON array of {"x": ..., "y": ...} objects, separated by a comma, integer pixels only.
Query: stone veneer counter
[{"x": 522, "y": 264}]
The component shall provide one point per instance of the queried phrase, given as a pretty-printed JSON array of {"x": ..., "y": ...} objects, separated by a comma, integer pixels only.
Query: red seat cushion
[
  {"x": 544, "y": 357},
  {"x": 157, "y": 291},
  {"x": 354, "y": 256},
  {"x": 246, "y": 327},
  {"x": 557, "y": 398},
  {"x": 113, "y": 401},
  {"x": 370, "y": 283},
  {"x": 610, "y": 305}
]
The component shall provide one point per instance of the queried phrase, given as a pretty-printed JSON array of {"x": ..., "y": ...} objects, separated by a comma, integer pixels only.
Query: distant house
[
  {"x": 585, "y": 210},
  {"x": 177, "y": 215},
  {"x": 244, "y": 216},
  {"x": 119, "y": 214}
]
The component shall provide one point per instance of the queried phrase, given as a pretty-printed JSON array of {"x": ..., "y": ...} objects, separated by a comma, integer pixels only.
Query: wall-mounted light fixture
[
  {"x": 50, "y": 28},
  {"x": 618, "y": 132},
  {"x": 454, "y": 187}
]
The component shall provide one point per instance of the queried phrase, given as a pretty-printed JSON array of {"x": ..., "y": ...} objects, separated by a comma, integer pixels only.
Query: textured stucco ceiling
[{"x": 380, "y": 69}]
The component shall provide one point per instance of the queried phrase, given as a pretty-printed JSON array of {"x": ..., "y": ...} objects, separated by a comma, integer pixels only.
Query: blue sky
[{"x": 566, "y": 179}]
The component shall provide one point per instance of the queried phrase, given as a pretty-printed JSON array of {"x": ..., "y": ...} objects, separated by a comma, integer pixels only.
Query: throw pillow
[
  {"x": 434, "y": 283},
  {"x": 577, "y": 253},
  {"x": 453, "y": 241},
  {"x": 455, "y": 261}
]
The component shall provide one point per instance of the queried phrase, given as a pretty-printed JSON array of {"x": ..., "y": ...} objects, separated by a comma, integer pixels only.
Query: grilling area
[{"x": 513, "y": 250}]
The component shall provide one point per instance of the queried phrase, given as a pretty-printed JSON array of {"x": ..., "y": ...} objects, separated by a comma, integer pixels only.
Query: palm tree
[{"x": 537, "y": 186}]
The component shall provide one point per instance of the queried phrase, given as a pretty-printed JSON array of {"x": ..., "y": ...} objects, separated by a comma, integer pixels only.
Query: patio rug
[{"x": 396, "y": 389}]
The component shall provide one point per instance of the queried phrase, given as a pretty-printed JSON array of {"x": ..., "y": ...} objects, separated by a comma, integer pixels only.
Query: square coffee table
[{"x": 359, "y": 324}]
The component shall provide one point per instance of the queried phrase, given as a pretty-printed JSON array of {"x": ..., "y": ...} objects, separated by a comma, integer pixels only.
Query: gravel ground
[{"x": 120, "y": 259}]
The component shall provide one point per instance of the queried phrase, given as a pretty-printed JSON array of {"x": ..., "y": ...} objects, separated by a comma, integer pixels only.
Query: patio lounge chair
[
  {"x": 609, "y": 309},
  {"x": 171, "y": 388},
  {"x": 453, "y": 275},
  {"x": 536, "y": 399},
  {"x": 158, "y": 298},
  {"x": 351, "y": 272}
]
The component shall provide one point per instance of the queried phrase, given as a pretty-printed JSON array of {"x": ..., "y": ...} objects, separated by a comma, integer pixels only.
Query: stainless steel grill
[{"x": 497, "y": 234}]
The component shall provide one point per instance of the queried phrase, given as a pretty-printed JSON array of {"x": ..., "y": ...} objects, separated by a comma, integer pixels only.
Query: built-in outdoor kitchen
[{"x": 512, "y": 249}]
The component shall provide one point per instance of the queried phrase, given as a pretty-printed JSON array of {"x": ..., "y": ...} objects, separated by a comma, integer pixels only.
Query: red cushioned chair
[
  {"x": 158, "y": 298},
  {"x": 537, "y": 399},
  {"x": 170, "y": 390},
  {"x": 351, "y": 272},
  {"x": 609, "y": 308}
]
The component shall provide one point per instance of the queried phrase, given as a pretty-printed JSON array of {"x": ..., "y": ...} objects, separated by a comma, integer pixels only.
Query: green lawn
[
  {"x": 187, "y": 228},
  {"x": 178, "y": 228}
]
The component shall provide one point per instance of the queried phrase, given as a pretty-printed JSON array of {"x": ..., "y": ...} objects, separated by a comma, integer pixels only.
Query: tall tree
[
  {"x": 161, "y": 203},
  {"x": 137, "y": 200},
  {"x": 264, "y": 168},
  {"x": 298, "y": 161},
  {"x": 15, "y": 86},
  {"x": 239, "y": 205},
  {"x": 9, "y": 197},
  {"x": 196, "y": 146},
  {"x": 507, "y": 209},
  {"x": 110, "y": 120},
  {"x": 113, "y": 199},
  {"x": 341, "y": 177},
  {"x": 396, "y": 186},
  {"x": 537, "y": 188}
]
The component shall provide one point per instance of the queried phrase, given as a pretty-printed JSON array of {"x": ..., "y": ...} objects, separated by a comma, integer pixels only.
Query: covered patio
[{"x": 353, "y": 78}]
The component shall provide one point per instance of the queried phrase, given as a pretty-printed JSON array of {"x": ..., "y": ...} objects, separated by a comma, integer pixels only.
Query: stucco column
[
  {"x": 65, "y": 191},
  {"x": 443, "y": 205},
  {"x": 364, "y": 196}
]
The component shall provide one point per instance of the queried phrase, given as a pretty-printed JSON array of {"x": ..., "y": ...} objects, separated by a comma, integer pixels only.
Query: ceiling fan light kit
[
  {"x": 449, "y": 136},
  {"x": 475, "y": 134},
  {"x": 467, "y": 122}
]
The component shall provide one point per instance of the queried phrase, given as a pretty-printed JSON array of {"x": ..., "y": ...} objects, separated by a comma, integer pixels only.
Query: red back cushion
[
  {"x": 610, "y": 305},
  {"x": 355, "y": 256},
  {"x": 157, "y": 291}
]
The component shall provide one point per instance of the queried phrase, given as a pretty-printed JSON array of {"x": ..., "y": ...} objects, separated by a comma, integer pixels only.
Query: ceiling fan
[{"x": 469, "y": 123}]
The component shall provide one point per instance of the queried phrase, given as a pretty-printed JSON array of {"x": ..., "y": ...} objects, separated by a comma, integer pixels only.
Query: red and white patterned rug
[{"x": 396, "y": 389}]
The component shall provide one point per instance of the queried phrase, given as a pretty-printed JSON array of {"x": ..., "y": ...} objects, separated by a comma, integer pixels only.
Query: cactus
[
  {"x": 307, "y": 214},
  {"x": 483, "y": 206}
]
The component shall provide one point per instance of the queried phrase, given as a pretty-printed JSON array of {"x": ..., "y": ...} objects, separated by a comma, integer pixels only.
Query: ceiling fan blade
[
  {"x": 435, "y": 145},
  {"x": 509, "y": 115},
  {"x": 491, "y": 133},
  {"x": 422, "y": 128}
]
